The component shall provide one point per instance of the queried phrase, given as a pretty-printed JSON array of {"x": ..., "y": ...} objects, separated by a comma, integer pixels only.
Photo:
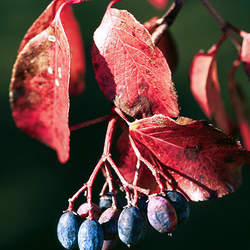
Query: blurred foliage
[{"x": 34, "y": 187}]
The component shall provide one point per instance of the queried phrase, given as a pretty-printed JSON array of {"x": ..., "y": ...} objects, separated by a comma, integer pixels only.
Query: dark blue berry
[
  {"x": 109, "y": 222},
  {"x": 180, "y": 204},
  {"x": 67, "y": 229},
  {"x": 131, "y": 225},
  {"x": 90, "y": 235},
  {"x": 106, "y": 201},
  {"x": 161, "y": 214}
]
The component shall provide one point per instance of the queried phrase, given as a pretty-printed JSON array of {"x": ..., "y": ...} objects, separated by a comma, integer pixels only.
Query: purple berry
[
  {"x": 109, "y": 244},
  {"x": 109, "y": 222},
  {"x": 161, "y": 214},
  {"x": 131, "y": 225},
  {"x": 90, "y": 235},
  {"x": 83, "y": 211},
  {"x": 67, "y": 229},
  {"x": 180, "y": 204}
]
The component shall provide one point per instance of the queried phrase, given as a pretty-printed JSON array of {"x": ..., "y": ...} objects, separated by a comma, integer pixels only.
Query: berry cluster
[{"x": 130, "y": 223}]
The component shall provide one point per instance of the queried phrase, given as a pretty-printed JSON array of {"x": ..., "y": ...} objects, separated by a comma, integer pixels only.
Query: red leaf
[
  {"x": 127, "y": 164},
  {"x": 77, "y": 64},
  {"x": 206, "y": 88},
  {"x": 130, "y": 69},
  {"x": 204, "y": 162},
  {"x": 239, "y": 101},
  {"x": 72, "y": 31},
  {"x": 39, "y": 87},
  {"x": 245, "y": 52},
  {"x": 160, "y": 4},
  {"x": 166, "y": 44}
]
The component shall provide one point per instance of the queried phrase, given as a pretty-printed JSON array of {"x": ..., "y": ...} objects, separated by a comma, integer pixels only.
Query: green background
[{"x": 34, "y": 187}]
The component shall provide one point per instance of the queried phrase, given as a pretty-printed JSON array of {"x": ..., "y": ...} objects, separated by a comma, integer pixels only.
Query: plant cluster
[
  {"x": 157, "y": 148},
  {"x": 163, "y": 212}
]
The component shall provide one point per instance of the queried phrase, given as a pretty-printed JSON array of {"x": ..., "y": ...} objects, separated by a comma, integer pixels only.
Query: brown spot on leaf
[
  {"x": 192, "y": 153},
  {"x": 140, "y": 107},
  {"x": 16, "y": 93},
  {"x": 26, "y": 99}
]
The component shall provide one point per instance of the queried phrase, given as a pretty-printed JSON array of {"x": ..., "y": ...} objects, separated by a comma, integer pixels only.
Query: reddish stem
[
  {"x": 109, "y": 135},
  {"x": 74, "y": 197},
  {"x": 112, "y": 3},
  {"x": 89, "y": 184},
  {"x": 91, "y": 122},
  {"x": 153, "y": 169},
  {"x": 224, "y": 26},
  {"x": 120, "y": 113},
  {"x": 103, "y": 191},
  {"x": 123, "y": 181},
  {"x": 111, "y": 186},
  {"x": 106, "y": 158},
  {"x": 167, "y": 20}
]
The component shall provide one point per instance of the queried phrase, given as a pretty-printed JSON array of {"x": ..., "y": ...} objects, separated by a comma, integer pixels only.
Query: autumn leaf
[
  {"x": 73, "y": 33},
  {"x": 131, "y": 71},
  {"x": 77, "y": 63},
  {"x": 239, "y": 102},
  {"x": 127, "y": 164},
  {"x": 166, "y": 44},
  {"x": 205, "y": 87},
  {"x": 40, "y": 85},
  {"x": 245, "y": 52},
  {"x": 199, "y": 159},
  {"x": 159, "y": 4}
]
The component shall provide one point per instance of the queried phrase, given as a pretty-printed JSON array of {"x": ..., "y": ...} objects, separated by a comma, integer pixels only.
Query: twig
[
  {"x": 224, "y": 26},
  {"x": 167, "y": 20},
  {"x": 105, "y": 158},
  {"x": 104, "y": 187},
  {"x": 91, "y": 122}
]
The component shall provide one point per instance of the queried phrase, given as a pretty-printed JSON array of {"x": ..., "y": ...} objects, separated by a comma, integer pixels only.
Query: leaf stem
[
  {"x": 224, "y": 26},
  {"x": 90, "y": 122},
  {"x": 167, "y": 20},
  {"x": 105, "y": 158}
]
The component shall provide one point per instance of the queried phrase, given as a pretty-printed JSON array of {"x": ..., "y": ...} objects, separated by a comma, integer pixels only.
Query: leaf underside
[
  {"x": 205, "y": 87},
  {"x": 131, "y": 71},
  {"x": 245, "y": 52}
]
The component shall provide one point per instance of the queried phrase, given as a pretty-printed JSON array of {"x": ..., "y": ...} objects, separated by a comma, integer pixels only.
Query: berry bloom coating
[
  {"x": 109, "y": 222},
  {"x": 90, "y": 235},
  {"x": 67, "y": 229},
  {"x": 83, "y": 211},
  {"x": 180, "y": 204},
  {"x": 161, "y": 214},
  {"x": 131, "y": 225}
]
